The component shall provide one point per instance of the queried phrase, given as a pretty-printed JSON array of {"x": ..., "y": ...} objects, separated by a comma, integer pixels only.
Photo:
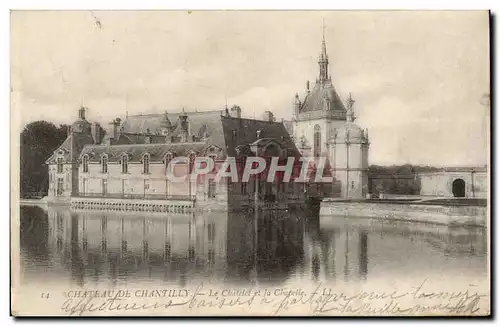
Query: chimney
[
  {"x": 114, "y": 129},
  {"x": 184, "y": 133},
  {"x": 96, "y": 132},
  {"x": 236, "y": 111},
  {"x": 268, "y": 116},
  {"x": 307, "y": 87}
]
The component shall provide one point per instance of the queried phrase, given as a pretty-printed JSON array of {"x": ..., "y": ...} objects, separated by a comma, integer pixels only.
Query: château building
[
  {"x": 128, "y": 159},
  {"x": 322, "y": 125}
]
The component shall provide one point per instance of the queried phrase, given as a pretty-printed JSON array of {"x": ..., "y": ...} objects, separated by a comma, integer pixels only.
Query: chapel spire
[{"x": 323, "y": 59}]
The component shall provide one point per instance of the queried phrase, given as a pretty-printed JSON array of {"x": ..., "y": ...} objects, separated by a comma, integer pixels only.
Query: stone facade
[
  {"x": 322, "y": 126},
  {"x": 130, "y": 160},
  {"x": 457, "y": 182}
]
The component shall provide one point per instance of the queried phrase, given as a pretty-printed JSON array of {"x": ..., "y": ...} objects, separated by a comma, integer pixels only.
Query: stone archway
[{"x": 458, "y": 188}]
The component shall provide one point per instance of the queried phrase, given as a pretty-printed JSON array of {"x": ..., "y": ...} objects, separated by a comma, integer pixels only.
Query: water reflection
[{"x": 234, "y": 248}]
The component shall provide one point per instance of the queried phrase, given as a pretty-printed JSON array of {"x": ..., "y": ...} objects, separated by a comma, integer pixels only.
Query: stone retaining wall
[
  {"x": 174, "y": 206},
  {"x": 461, "y": 215}
]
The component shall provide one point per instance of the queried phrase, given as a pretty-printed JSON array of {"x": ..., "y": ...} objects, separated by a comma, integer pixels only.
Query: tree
[{"x": 39, "y": 140}]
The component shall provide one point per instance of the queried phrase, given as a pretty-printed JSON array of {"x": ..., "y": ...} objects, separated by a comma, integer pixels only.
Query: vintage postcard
[{"x": 250, "y": 163}]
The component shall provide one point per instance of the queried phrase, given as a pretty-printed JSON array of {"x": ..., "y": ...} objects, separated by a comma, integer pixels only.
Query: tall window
[
  {"x": 104, "y": 186},
  {"x": 168, "y": 159},
  {"x": 145, "y": 164},
  {"x": 104, "y": 164},
  {"x": 211, "y": 232},
  {"x": 59, "y": 165},
  {"x": 211, "y": 188},
  {"x": 317, "y": 140},
  {"x": 124, "y": 163},
  {"x": 85, "y": 163},
  {"x": 60, "y": 186}
]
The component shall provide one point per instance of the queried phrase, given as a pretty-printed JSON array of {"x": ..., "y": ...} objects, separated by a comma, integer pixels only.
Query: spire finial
[
  {"x": 323, "y": 43},
  {"x": 324, "y": 27},
  {"x": 350, "y": 104}
]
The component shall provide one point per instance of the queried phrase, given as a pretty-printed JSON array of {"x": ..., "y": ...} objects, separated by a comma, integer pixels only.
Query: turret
[
  {"x": 236, "y": 111},
  {"x": 81, "y": 125},
  {"x": 165, "y": 125},
  {"x": 349, "y": 111},
  {"x": 184, "y": 126},
  {"x": 296, "y": 105}
]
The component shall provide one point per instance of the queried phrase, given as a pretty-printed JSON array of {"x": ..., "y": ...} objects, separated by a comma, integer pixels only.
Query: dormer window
[
  {"x": 104, "y": 164},
  {"x": 124, "y": 163},
  {"x": 85, "y": 163},
  {"x": 59, "y": 165},
  {"x": 145, "y": 163}
]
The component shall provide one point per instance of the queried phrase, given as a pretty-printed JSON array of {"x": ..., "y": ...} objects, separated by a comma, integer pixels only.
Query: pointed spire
[
  {"x": 323, "y": 43},
  {"x": 323, "y": 59}
]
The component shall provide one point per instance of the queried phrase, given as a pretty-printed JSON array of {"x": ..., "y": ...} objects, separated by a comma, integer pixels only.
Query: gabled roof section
[
  {"x": 240, "y": 131},
  {"x": 72, "y": 146}
]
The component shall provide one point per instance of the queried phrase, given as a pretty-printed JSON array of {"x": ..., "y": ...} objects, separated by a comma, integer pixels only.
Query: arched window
[
  {"x": 124, "y": 163},
  {"x": 104, "y": 164},
  {"x": 317, "y": 141},
  {"x": 168, "y": 159},
  {"x": 85, "y": 163},
  {"x": 145, "y": 163},
  {"x": 59, "y": 165}
]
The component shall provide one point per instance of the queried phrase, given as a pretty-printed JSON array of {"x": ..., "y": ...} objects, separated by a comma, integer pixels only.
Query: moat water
[{"x": 113, "y": 249}]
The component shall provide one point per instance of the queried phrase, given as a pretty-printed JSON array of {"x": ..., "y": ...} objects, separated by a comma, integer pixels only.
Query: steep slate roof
[
  {"x": 288, "y": 126},
  {"x": 224, "y": 131},
  {"x": 315, "y": 100},
  {"x": 135, "y": 151},
  {"x": 126, "y": 138},
  {"x": 74, "y": 143},
  {"x": 207, "y": 120},
  {"x": 246, "y": 133}
]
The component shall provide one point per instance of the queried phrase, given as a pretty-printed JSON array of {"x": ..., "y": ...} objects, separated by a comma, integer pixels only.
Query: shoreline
[{"x": 436, "y": 212}]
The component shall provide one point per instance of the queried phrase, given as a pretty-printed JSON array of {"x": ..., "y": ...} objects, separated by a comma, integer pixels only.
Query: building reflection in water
[{"x": 267, "y": 247}]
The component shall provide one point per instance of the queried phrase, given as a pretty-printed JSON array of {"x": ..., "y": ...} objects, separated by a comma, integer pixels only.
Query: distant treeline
[
  {"x": 39, "y": 140},
  {"x": 397, "y": 179}
]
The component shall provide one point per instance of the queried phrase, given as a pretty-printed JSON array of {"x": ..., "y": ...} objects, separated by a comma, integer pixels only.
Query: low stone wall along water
[{"x": 441, "y": 214}]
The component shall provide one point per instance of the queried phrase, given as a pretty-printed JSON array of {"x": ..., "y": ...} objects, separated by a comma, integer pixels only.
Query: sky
[{"x": 418, "y": 78}]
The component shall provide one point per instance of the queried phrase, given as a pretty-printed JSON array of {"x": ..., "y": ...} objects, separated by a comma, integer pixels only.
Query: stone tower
[{"x": 324, "y": 126}]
